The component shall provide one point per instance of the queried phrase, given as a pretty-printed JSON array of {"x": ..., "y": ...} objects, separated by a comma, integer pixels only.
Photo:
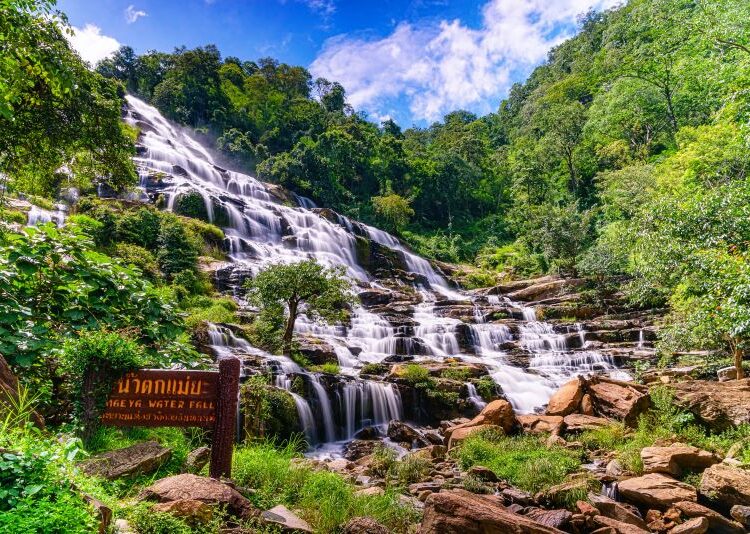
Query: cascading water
[{"x": 263, "y": 225}]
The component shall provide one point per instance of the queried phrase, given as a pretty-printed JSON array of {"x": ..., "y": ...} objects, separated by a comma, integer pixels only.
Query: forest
[{"x": 620, "y": 166}]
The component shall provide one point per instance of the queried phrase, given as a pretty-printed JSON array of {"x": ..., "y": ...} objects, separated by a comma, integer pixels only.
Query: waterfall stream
[{"x": 263, "y": 226}]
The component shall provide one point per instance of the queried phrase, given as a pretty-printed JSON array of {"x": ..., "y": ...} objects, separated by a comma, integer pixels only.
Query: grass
[
  {"x": 328, "y": 368},
  {"x": 461, "y": 374},
  {"x": 414, "y": 373},
  {"x": 325, "y": 499},
  {"x": 523, "y": 460}
]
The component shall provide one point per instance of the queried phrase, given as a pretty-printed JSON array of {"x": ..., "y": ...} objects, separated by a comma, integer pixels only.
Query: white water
[
  {"x": 262, "y": 228},
  {"x": 37, "y": 215}
]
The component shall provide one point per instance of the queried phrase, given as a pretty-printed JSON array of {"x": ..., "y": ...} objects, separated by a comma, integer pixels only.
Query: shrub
[
  {"x": 140, "y": 227},
  {"x": 328, "y": 367},
  {"x": 93, "y": 362},
  {"x": 13, "y": 216},
  {"x": 63, "y": 513},
  {"x": 460, "y": 374},
  {"x": 139, "y": 257},
  {"x": 210, "y": 309},
  {"x": 177, "y": 251},
  {"x": 191, "y": 204}
]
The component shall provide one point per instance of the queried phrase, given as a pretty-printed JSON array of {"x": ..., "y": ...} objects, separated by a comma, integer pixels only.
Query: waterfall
[
  {"x": 474, "y": 397},
  {"x": 264, "y": 224},
  {"x": 37, "y": 215}
]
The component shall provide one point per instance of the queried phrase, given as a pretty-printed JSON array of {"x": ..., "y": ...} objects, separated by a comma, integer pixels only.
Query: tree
[
  {"x": 394, "y": 210},
  {"x": 306, "y": 287}
]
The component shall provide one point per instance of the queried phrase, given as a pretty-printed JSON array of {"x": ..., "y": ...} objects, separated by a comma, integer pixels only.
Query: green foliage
[
  {"x": 268, "y": 411},
  {"x": 202, "y": 309},
  {"x": 377, "y": 369},
  {"x": 52, "y": 282},
  {"x": 147, "y": 521},
  {"x": 53, "y": 110},
  {"x": 93, "y": 362},
  {"x": 191, "y": 204},
  {"x": 414, "y": 373},
  {"x": 524, "y": 461},
  {"x": 394, "y": 210},
  {"x": 13, "y": 216},
  {"x": 306, "y": 287},
  {"x": 328, "y": 367},
  {"x": 412, "y": 469},
  {"x": 138, "y": 257},
  {"x": 461, "y": 374},
  {"x": 177, "y": 251},
  {"x": 383, "y": 460}
]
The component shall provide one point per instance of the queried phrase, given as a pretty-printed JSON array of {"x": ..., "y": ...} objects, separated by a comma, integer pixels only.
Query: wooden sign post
[{"x": 206, "y": 399}]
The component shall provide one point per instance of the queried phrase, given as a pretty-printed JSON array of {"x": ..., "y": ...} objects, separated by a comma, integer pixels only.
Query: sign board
[
  {"x": 154, "y": 397},
  {"x": 206, "y": 399}
]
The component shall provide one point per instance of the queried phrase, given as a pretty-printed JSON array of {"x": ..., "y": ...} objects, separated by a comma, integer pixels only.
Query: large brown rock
[
  {"x": 696, "y": 525},
  {"x": 139, "y": 459},
  {"x": 193, "y": 487},
  {"x": 717, "y": 523},
  {"x": 536, "y": 424},
  {"x": 461, "y": 512},
  {"x": 617, "y": 399},
  {"x": 619, "y": 527},
  {"x": 282, "y": 517},
  {"x": 673, "y": 460},
  {"x": 719, "y": 405},
  {"x": 497, "y": 413},
  {"x": 566, "y": 399},
  {"x": 656, "y": 490},
  {"x": 726, "y": 485},
  {"x": 614, "y": 510},
  {"x": 364, "y": 525}
]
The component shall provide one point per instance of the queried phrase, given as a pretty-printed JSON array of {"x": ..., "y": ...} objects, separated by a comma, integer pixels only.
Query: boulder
[
  {"x": 726, "y": 485},
  {"x": 536, "y": 424},
  {"x": 726, "y": 373},
  {"x": 718, "y": 405},
  {"x": 673, "y": 460},
  {"x": 192, "y": 511},
  {"x": 461, "y": 434},
  {"x": 197, "y": 459},
  {"x": 498, "y": 413},
  {"x": 619, "y": 527},
  {"x": 400, "y": 432},
  {"x": 193, "y": 487},
  {"x": 656, "y": 490},
  {"x": 359, "y": 448},
  {"x": 550, "y": 518},
  {"x": 617, "y": 399},
  {"x": 577, "y": 423},
  {"x": 364, "y": 525},
  {"x": 566, "y": 399},
  {"x": 617, "y": 511},
  {"x": 139, "y": 459},
  {"x": 461, "y": 512},
  {"x": 587, "y": 405},
  {"x": 717, "y": 523},
  {"x": 281, "y": 516},
  {"x": 103, "y": 513},
  {"x": 696, "y": 525},
  {"x": 741, "y": 514},
  {"x": 316, "y": 350}
]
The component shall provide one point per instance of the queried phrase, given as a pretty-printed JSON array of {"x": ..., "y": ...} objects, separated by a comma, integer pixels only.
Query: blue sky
[{"x": 411, "y": 60}]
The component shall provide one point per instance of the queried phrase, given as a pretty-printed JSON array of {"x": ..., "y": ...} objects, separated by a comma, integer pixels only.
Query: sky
[{"x": 409, "y": 60}]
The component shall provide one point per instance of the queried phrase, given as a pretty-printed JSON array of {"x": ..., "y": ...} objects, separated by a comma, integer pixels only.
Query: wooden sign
[
  {"x": 206, "y": 399},
  {"x": 154, "y": 397}
]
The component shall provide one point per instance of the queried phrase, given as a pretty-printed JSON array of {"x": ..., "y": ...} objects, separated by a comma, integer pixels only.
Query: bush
[
  {"x": 148, "y": 521},
  {"x": 139, "y": 257},
  {"x": 328, "y": 368},
  {"x": 377, "y": 369},
  {"x": 191, "y": 204},
  {"x": 209, "y": 309},
  {"x": 383, "y": 460},
  {"x": 63, "y": 513},
  {"x": 140, "y": 227},
  {"x": 13, "y": 216},
  {"x": 456, "y": 373},
  {"x": 177, "y": 251},
  {"x": 93, "y": 362}
]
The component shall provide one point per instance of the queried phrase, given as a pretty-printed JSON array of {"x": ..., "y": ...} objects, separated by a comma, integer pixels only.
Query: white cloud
[
  {"x": 445, "y": 66},
  {"x": 132, "y": 14},
  {"x": 91, "y": 44},
  {"x": 324, "y": 7}
]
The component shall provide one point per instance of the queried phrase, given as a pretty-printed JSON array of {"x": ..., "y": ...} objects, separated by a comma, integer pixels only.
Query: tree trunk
[
  {"x": 289, "y": 330},
  {"x": 738, "y": 362}
]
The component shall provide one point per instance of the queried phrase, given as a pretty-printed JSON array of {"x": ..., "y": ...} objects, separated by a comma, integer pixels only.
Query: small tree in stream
[{"x": 322, "y": 293}]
